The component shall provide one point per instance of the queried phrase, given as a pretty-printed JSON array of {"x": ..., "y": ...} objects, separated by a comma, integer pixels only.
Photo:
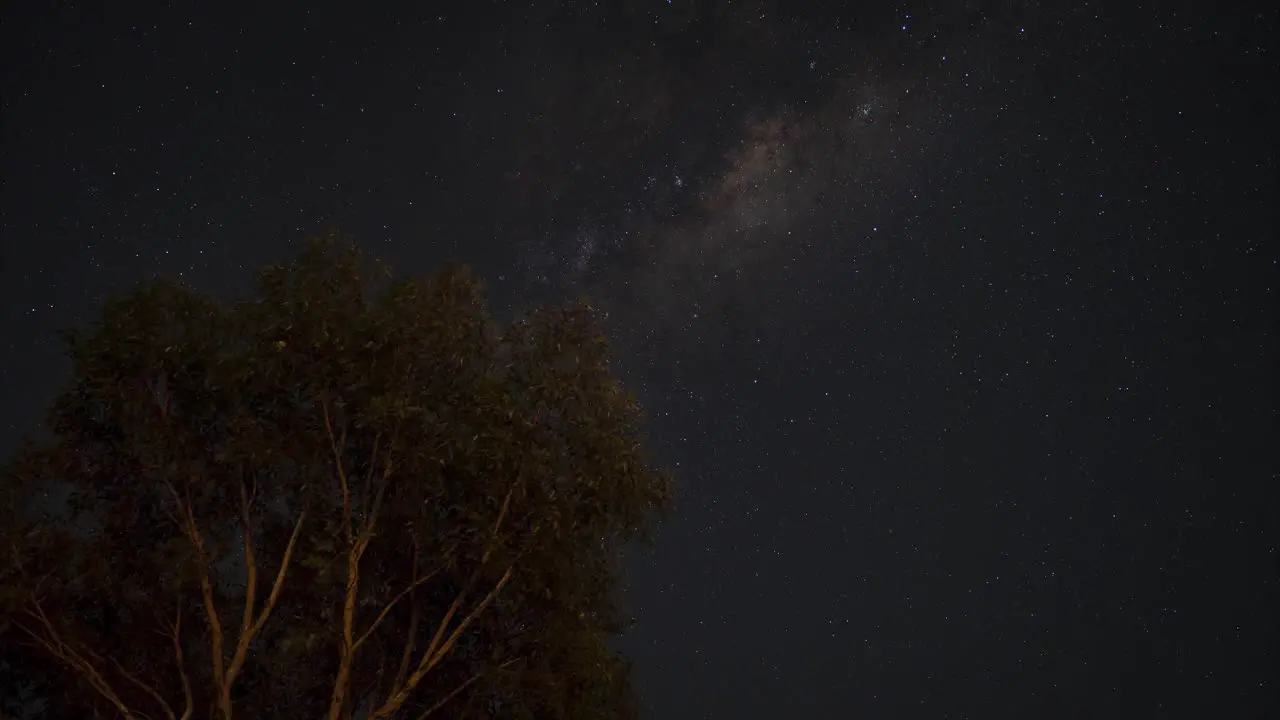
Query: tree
[{"x": 348, "y": 497}]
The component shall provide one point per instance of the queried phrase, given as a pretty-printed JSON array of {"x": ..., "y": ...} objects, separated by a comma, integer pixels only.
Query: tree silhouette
[{"x": 347, "y": 498}]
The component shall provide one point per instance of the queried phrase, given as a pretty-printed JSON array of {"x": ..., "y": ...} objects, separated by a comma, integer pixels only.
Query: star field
[{"x": 955, "y": 324}]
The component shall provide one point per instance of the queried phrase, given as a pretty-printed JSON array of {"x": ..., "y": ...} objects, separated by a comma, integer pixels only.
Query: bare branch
[
  {"x": 358, "y": 546},
  {"x": 250, "y": 627},
  {"x": 54, "y": 645},
  {"x": 443, "y": 626},
  {"x": 342, "y": 679},
  {"x": 371, "y": 516},
  {"x": 462, "y": 626},
  {"x": 145, "y": 688},
  {"x": 176, "y": 634},
  {"x": 461, "y": 598},
  {"x": 497, "y": 524},
  {"x": 391, "y": 605},
  {"x": 433, "y": 656},
  {"x": 454, "y": 693},
  {"x": 279, "y": 581},
  {"x": 406, "y": 656},
  {"x": 250, "y": 594},
  {"x": 436, "y": 650},
  {"x": 371, "y": 689},
  {"x": 368, "y": 477},
  {"x": 338, "y": 445},
  {"x": 206, "y": 593}
]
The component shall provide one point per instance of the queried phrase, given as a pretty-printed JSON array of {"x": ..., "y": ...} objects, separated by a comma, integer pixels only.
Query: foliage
[{"x": 348, "y": 497}]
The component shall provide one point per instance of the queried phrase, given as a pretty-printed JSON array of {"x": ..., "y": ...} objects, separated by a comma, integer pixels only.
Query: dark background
[{"x": 956, "y": 324}]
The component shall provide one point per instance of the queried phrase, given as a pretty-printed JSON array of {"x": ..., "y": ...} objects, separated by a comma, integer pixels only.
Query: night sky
[{"x": 956, "y": 325}]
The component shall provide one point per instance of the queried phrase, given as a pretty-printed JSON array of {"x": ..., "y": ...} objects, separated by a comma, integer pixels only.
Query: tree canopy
[{"x": 347, "y": 497}]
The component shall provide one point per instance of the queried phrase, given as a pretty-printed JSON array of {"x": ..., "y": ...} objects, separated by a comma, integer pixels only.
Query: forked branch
[
  {"x": 206, "y": 589},
  {"x": 250, "y": 625},
  {"x": 252, "y": 622},
  {"x": 338, "y": 445},
  {"x": 175, "y": 633},
  {"x": 51, "y": 640},
  {"x": 357, "y": 545},
  {"x": 456, "y": 691},
  {"x": 441, "y": 644}
]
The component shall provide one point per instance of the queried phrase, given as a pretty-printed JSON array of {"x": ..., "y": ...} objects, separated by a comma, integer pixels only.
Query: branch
[
  {"x": 357, "y": 547},
  {"x": 371, "y": 514},
  {"x": 145, "y": 687},
  {"x": 206, "y": 592},
  {"x": 55, "y": 646},
  {"x": 436, "y": 650},
  {"x": 342, "y": 474},
  {"x": 392, "y": 604},
  {"x": 279, "y": 581},
  {"x": 371, "y": 517},
  {"x": 406, "y": 656},
  {"x": 368, "y": 477},
  {"x": 466, "y": 590},
  {"x": 250, "y": 627},
  {"x": 250, "y": 593},
  {"x": 342, "y": 679},
  {"x": 176, "y": 634},
  {"x": 454, "y": 693},
  {"x": 371, "y": 689},
  {"x": 462, "y": 626}
]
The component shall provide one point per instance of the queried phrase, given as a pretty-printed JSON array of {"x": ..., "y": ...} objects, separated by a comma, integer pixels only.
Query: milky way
[{"x": 787, "y": 179}]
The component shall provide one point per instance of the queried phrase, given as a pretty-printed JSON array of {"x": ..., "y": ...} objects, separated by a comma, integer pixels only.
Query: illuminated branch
[
  {"x": 462, "y": 626},
  {"x": 338, "y": 445},
  {"x": 206, "y": 591},
  {"x": 358, "y": 546},
  {"x": 440, "y": 646},
  {"x": 250, "y": 627},
  {"x": 391, "y": 605},
  {"x": 368, "y": 477},
  {"x": 454, "y": 693},
  {"x": 250, "y": 594},
  {"x": 53, "y": 643},
  {"x": 343, "y": 677},
  {"x": 145, "y": 688},
  {"x": 176, "y": 634},
  {"x": 224, "y": 676},
  {"x": 406, "y": 656}
]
